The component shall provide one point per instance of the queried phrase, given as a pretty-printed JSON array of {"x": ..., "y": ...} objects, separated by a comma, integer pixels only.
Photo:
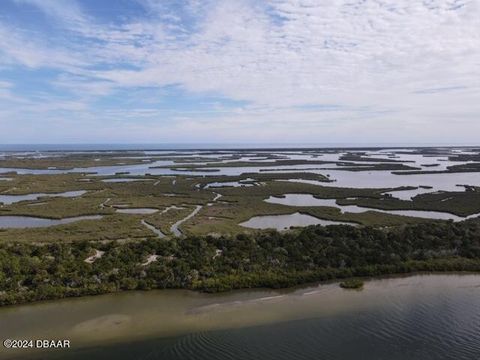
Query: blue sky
[{"x": 145, "y": 71}]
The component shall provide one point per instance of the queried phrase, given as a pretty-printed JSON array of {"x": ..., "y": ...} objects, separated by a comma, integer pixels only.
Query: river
[{"x": 417, "y": 317}]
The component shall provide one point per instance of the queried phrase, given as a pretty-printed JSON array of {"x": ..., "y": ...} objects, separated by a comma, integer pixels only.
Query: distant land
[
  {"x": 117, "y": 220},
  {"x": 190, "y": 146}
]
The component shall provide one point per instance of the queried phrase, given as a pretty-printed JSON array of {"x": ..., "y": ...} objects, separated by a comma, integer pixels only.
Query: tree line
[{"x": 32, "y": 271}]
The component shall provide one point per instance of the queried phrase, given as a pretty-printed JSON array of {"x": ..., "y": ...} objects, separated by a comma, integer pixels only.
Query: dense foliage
[
  {"x": 352, "y": 284},
  {"x": 30, "y": 271}
]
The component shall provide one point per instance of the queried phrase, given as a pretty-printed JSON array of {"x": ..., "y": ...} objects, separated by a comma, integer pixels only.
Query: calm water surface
[
  {"x": 10, "y": 199},
  {"x": 282, "y": 222},
  {"x": 18, "y": 222},
  {"x": 137, "y": 211},
  {"x": 310, "y": 200},
  {"x": 121, "y": 180},
  {"x": 425, "y": 317},
  {"x": 362, "y": 179}
]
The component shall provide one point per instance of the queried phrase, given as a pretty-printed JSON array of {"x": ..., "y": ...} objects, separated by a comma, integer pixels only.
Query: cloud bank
[{"x": 372, "y": 71}]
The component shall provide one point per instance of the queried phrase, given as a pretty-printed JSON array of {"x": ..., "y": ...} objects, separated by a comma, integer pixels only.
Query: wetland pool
[
  {"x": 10, "y": 199},
  {"x": 284, "y": 222},
  {"x": 20, "y": 222},
  {"x": 310, "y": 200},
  {"x": 137, "y": 211}
]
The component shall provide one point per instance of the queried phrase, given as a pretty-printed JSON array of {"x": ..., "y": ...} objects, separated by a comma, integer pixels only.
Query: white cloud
[
  {"x": 17, "y": 47},
  {"x": 318, "y": 54},
  {"x": 68, "y": 11},
  {"x": 388, "y": 64}
]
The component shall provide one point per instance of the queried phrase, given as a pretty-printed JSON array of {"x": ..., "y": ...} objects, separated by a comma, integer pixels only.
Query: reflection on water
[
  {"x": 17, "y": 222},
  {"x": 360, "y": 179},
  {"x": 410, "y": 194},
  {"x": 282, "y": 222},
  {"x": 10, "y": 199},
  {"x": 244, "y": 182},
  {"x": 416, "y": 318},
  {"x": 310, "y": 200},
  {"x": 385, "y": 179},
  {"x": 137, "y": 211},
  {"x": 121, "y": 180}
]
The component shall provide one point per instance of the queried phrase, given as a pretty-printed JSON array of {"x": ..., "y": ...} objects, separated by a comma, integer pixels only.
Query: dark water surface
[{"x": 419, "y": 317}]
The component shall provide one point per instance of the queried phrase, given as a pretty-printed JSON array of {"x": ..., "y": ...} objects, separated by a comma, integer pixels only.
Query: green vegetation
[
  {"x": 216, "y": 253},
  {"x": 68, "y": 161},
  {"x": 178, "y": 194},
  {"x": 27, "y": 184},
  {"x": 463, "y": 168},
  {"x": 376, "y": 167},
  {"x": 352, "y": 284},
  {"x": 262, "y": 177},
  {"x": 461, "y": 203},
  {"x": 246, "y": 164},
  {"x": 361, "y": 157},
  {"x": 118, "y": 227},
  {"x": 30, "y": 271}
]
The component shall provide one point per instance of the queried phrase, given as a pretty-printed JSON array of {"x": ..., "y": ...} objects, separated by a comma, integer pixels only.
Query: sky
[{"x": 240, "y": 71}]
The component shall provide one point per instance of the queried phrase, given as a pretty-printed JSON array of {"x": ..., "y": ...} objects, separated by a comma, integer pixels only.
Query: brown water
[{"x": 418, "y": 317}]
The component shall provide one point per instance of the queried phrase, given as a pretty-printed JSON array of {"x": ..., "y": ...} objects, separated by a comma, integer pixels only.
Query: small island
[{"x": 352, "y": 284}]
